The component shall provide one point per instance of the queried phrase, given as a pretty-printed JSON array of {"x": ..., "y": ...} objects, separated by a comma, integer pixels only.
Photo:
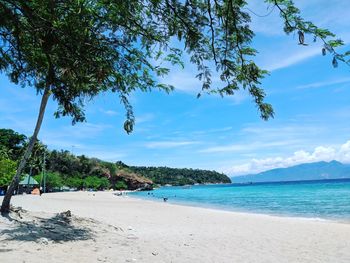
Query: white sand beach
[{"x": 109, "y": 228}]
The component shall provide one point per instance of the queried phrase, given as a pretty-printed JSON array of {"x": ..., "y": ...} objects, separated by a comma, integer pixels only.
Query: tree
[
  {"x": 63, "y": 162},
  {"x": 74, "y": 182},
  {"x": 7, "y": 170},
  {"x": 36, "y": 161},
  {"x": 12, "y": 142},
  {"x": 3, "y": 152},
  {"x": 72, "y": 51},
  {"x": 121, "y": 185},
  {"x": 96, "y": 183},
  {"x": 53, "y": 180}
]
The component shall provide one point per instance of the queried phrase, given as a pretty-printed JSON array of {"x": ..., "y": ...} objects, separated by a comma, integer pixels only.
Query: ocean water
[{"x": 327, "y": 199}]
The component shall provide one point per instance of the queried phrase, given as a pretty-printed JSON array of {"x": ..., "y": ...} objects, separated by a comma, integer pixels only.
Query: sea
[{"x": 322, "y": 199}]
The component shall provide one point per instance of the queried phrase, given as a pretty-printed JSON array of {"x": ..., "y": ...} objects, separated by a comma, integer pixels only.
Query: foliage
[
  {"x": 72, "y": 51},
  {"x": 4, "y": 152},
  {"x": 64, "y": 162},
  {"x": 36, "y": 160},
  {"x": 294, "y": 23},
  {"x": 96, "y": 183},
  {"x": 7, "y": 170},
  {"x": 120, "y": 165},
  {"x": 176, "y": 176},
  {"x": 53, "y": 180},
  {"x": 11, "y": 143},
  {"x": 120, "y": 185},
  {"x": 77, "y": 49},
  {"x": 64, "y": 168},
  {"x": 74, "y": 182}
]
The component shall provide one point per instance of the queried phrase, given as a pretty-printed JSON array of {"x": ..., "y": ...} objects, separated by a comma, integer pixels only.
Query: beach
[{"x": 104, "y": 227}]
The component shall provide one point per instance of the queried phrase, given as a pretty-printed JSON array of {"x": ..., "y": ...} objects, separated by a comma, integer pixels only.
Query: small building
[{"x": 27, "y": 185}]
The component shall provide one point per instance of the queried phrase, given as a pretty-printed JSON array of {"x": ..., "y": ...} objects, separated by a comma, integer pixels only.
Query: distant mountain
[{"x": 306, "y": 171}]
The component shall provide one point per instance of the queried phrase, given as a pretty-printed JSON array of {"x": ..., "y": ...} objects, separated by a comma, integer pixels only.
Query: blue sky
[{"x": 311, "y": 100}]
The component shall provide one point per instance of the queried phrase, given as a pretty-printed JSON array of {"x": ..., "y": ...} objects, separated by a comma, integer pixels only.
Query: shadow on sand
[{"x": 60, "y": 228}]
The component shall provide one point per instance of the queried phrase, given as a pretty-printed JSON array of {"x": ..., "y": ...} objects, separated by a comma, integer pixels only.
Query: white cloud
[
  {"x": 109, "y": 112},
  {"x": 324, "y": 83},
  {"x": 102, "y": 153},
  {"x": 86, "y": 130},
  {"x": 266, "y": 19},
  {"x": 218, "y": 130},
  {"x": 169, "y": 144},
  {"x": 344, "y": 152},
  {"x": 68, "y": 136},
  {"x": 64, "y": 144},
  {"x": 287, "y": 131},
  {"x": 90, "y": 150},
  {"x": 320, "y": 153},
  {"x": 247, "y": 146},
  {"x": 184, "y": 81},
  {"x": 282, "y": 50},
  {"x": 144, "y": 118},
  {"x": 282, "y": 61}
]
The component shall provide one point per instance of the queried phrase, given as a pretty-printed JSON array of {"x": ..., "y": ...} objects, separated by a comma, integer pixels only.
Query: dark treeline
[
  {"x": 80, "y": 172},
  {"x": 178, "y": 176}
]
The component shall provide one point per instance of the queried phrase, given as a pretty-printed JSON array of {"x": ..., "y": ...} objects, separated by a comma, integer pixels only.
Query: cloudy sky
[{"x": 311, "y": 100}]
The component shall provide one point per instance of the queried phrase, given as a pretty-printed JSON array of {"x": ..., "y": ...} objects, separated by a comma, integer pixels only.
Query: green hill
[
  {"x": 82, "y": 172},
  {"x": 180, "y": 176}
]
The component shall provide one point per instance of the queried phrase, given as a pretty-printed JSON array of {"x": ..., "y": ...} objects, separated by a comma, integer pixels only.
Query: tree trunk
[{"x": 5, "y": 207}]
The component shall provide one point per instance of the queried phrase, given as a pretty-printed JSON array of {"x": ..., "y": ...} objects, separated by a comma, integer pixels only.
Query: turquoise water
[{"x": 328, "y": 199}]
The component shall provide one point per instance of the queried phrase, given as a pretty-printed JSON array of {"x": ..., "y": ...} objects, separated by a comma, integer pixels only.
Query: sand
[{"x": 108, "y": 228}]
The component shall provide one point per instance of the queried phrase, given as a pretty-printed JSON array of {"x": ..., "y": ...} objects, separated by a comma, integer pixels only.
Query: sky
[{"x": 311, "y": 100}]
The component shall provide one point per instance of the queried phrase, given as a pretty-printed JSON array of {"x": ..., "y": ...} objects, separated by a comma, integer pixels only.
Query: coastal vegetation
[
  {"x": 64, "y": 169},
  {"x": 176, "y": 176},
  {"x": 72, "y": 51},
  {"x": 7, "y": 170}
]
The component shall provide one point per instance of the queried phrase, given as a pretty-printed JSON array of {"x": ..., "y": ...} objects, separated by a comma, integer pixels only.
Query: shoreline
[
  {"x": 125, "y": 194},
  {"x": 128, "y": 229},
  {"x": 215, "y": 209},
  {"x": 250, "y": 212}
]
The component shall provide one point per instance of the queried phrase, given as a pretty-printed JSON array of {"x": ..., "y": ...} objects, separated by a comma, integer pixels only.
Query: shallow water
[{"x": 327, "y": 199}]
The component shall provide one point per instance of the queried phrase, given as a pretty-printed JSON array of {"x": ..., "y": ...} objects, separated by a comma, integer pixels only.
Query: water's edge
[
  {"x": 218, "y": 209},
  {"x": 320, "y": 200}
]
